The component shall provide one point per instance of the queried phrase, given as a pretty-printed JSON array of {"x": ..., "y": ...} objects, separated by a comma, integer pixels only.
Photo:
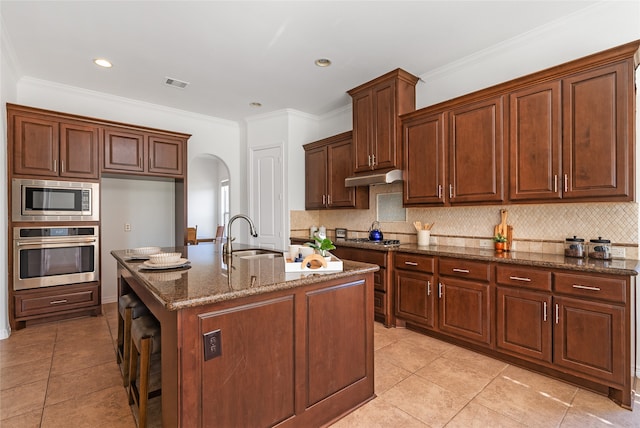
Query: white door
[{"x": 266, "y": 195}]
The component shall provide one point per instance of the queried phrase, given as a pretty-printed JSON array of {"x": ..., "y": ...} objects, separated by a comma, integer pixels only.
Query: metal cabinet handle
[
  {"x": 428, "y": 288},
  {"x": 411, "y": 263},
  {"x": 439, "y": 191},
  {"x": 557, "y": 314},
  {"x": 324, "y": 199},
  {"x": 61, "y": 166},
  {"x": 373, "y": 159},
  {"x": 328, "y": 199},
  {"x": 519, "y": 278},
  {"x": 586, "y": 287},
  {"x": 369, "y": 160},
  {"x": 439, "y": 290},
  {"x": 566, "y": 183},
  {"x": 555, "y": 183},
  {"x": 461, "y": 270},
  {"x": 58, "y": 302},
  {"x": 55, "y": 165},
  {"x": 450, "y": 191},
  {"x": 544, "y": 314}
]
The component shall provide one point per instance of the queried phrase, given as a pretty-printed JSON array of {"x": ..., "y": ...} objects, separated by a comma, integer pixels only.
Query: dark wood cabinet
[
  {"x": 49, "y": 146},
  {"x": 597, "y": 132},
  {"x": 415, "y": 289},
  {"x": 327, "y": 164},
  {"x": 376, "y": 125},
  {"x": 465, "y": 300},
  {"x": 78, "y": 299},
  {"x": 383, "y": 311},
  {"x": 133, "y": 151},
  {"x": 425, "y": 163},
  {"x": 535, "y": 142}
]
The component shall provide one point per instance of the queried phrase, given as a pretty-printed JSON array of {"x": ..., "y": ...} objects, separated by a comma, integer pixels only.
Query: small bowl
[
  {"x": 145, "y": 251},
  {"x": 164, "y": 258}
]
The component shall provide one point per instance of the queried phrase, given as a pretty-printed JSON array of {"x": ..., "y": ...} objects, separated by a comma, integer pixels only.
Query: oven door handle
[{"x": 56, "y": 242}]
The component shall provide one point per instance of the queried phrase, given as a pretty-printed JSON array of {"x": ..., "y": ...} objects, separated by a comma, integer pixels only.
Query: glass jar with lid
[
  {"x": 574, "y": 247},
  {"x": 600, "y": 249}
]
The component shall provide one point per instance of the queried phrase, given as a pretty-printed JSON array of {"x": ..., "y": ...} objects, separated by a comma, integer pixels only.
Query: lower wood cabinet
[
  {"x": 64, "y": 299},
  {"x": 415, "y": 288}
]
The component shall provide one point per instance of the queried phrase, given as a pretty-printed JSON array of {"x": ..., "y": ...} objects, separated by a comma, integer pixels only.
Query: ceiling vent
[{"x": 175, "y": 82}]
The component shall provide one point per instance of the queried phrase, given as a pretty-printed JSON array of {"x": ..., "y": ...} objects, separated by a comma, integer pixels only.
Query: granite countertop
[
  {"x": 209, "y": 279},
  {"x": 545, "y": 260}
]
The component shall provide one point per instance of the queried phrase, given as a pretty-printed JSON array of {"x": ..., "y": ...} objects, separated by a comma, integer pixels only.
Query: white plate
[{"x": 179, "y": 263}]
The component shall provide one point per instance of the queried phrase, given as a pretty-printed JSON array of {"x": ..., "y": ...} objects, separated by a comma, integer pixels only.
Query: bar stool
[
  {"x": 130, "y": 307},
  {"x": 144, "y": 364}
]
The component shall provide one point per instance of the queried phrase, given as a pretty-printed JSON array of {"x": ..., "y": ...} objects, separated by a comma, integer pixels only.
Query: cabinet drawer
[
  {"x": 465, "y": 269},
  {"x": 359, "y": 255},
  {"x": 59, "y": 299},
  {"x": 593, "y": 287},
  {"x": 379, "y": 302},
  {"x": 379, "y": 283},
  {"x": 523, "y": 277},
  {"x": 414, "y": 262}
]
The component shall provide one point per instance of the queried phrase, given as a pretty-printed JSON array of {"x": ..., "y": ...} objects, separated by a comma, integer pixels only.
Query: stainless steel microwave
[{"x": 48, "y": 200}]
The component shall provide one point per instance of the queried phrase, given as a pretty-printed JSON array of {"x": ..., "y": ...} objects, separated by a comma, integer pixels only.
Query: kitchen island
[{"x": 295, "y": 349}]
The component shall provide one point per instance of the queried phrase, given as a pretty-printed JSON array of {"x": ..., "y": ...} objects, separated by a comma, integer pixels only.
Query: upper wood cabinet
[
  {"x": 327, "y": 164},
  {"x": 49, "y": 146},
  {"x": 454, "y": 155},
  {"x": 130, "y": 151},
  {"x": 569, "y": 132},
  {"x": 376, "y": 125}
]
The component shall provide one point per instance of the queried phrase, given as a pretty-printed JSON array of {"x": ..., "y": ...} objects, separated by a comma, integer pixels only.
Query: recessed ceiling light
[
  {"x": 103, "y": 62},
  {"x": 255, "y": 104},
  {"x": 323, "y": 62}
]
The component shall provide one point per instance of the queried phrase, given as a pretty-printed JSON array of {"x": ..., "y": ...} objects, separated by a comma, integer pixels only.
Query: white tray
[{"x": 333, "y": 265}]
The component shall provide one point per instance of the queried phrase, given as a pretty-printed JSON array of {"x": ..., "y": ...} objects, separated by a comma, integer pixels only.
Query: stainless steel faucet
[{"x": 252, "y": 229}]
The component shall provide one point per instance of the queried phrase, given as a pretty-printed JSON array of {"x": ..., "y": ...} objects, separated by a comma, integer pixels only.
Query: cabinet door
[
  {"x": 524, "y": 323},
  {"x": 384, "y": 131},
  {"x": 414, "y": 297},
  {"x": 362, "y": 131},
  {"x": 165, "y": 155},
  {"x": 315, "y": 161},
  {"x": 425, "y": 142},
  {"x": 35, "y": 146},
  {"x": 79, "y": 151},
  {"x": 464, "y": 309},
  {"x": 589, "y": 338},
  {"x": 123, "y": 151},
  {"x": 535, "y": 138},
  {"x": 475, "y": 152},
  {"x": 339, "y": 167},
  {"x": 597, "y": 120}
]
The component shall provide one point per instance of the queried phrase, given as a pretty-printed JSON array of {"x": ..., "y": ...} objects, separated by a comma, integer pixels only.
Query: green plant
[
  {"x": 322, "y": 245},
  {"x": 500, "y": 238}
]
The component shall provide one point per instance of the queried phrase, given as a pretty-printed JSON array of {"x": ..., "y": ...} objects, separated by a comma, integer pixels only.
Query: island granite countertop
[
  {"x": 544, "y": 260},
  {"x": 210, "y": 278}
]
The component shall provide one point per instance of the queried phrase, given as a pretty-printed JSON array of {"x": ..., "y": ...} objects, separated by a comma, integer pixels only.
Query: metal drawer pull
[
  {"x": 439, "y": 290},
  {"x": 428, "y": 288},
  {"x": 411, "y": 263},
  {"x": 461, "y": 270},
  {"x": 519, "y": 278},
  {"x": 557, "y": 314},
  {"x": 57, "y": 302},
  {"x": 586, "y": 287},
  {"x": 544, "y": 315}
]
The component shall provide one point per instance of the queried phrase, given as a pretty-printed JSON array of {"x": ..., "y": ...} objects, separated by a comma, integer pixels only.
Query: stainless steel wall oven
[{"x": 58, "y": 255}]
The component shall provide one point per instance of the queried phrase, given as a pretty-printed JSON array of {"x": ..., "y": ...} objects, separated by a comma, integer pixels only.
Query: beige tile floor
[{"x": 64, "y": 375}]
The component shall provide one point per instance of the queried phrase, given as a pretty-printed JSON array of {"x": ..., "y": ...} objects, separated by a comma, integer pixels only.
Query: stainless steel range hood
[{"x": 376, "y": 178}]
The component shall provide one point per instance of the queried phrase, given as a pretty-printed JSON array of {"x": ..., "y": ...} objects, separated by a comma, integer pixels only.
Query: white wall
[{"x": 205, "y": 174}]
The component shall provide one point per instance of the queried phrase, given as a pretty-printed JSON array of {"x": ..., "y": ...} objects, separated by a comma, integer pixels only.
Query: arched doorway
[{"x": 208, "y": 194}]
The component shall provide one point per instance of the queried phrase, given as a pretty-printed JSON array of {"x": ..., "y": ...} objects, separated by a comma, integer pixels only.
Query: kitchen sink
[{"x": 256, "y": 254}]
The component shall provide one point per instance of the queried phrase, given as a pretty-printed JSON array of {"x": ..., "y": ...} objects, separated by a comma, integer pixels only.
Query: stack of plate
[{"x": 165, "y": 261}]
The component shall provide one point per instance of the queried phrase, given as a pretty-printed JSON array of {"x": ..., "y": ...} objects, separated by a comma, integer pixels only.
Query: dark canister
[
  {"x": 600, "y": 249},
  {"x": 574, "y": 247}
]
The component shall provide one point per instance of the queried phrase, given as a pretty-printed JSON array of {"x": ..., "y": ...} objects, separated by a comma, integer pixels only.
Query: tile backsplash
[{"x": 537, "y": 227}]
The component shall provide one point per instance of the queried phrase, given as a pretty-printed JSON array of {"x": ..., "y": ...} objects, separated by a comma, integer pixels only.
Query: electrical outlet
[
  {"x": 618, "y": 252},
  {"x": 486, "y": 243},
  {"x": 127, "y": 227},
  {"x": 212, "y": 342}
]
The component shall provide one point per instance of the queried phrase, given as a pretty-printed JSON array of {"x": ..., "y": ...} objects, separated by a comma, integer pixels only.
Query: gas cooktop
[{"x": 384, "y": 242}]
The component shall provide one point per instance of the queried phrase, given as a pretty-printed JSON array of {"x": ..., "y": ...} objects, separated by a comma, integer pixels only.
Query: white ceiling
[{"x": 235, "y": 52}]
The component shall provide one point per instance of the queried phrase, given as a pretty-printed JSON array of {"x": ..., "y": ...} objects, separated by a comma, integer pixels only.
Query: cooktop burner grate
[{"x": 385, "y": 242}]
